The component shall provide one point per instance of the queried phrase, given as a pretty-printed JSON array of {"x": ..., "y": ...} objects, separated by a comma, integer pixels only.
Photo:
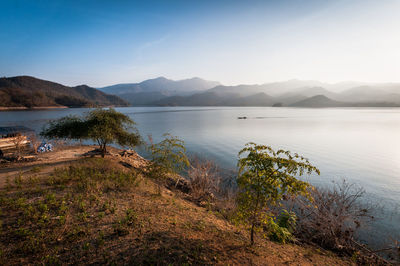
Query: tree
[
  {"x": 265, "y": 177},
  {"x": 168, "y": 156},
  {"x": 68, "y": 127},
  {"x": 105, "y": 126}
]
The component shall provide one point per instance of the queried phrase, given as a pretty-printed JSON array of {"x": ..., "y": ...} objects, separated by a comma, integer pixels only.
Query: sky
[{"x": 100, "y": 43}]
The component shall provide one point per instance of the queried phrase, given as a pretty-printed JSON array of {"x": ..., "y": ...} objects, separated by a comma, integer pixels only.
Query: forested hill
[{"x": 26, "y": 91}]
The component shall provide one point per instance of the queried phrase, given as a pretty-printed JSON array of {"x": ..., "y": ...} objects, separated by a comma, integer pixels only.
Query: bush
[
  {"x": 167, "y": 157},
  {"x": 334, "y": 216},
  {"x": 204, "y": 179},
  {"x": 282, "y": 230}
]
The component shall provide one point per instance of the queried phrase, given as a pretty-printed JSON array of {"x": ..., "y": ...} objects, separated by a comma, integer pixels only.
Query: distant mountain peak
[
  {"x": 196, "y": 79},
  {"x": 160, "y": 78},
  {"x": 82, "y": 86},
  {"x": 160, "y": 86},
  {"x": 317, "y": 101}
]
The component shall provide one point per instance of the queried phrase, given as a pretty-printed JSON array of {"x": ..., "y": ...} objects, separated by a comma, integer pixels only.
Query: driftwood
[{"x": 374, "y": 253}]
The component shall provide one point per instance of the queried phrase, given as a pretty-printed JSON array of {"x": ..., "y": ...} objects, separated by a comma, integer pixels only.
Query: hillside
[
  {"x": 30, "y": 92},
  {"x": 321, "y": 101},
  {"x": 208, "y": 98},
  {"x": 258, "y": 99},
  {"x": 105, "y": 211},
  {"x": 26, "y": 91},
  {"x": 318, "y": 101},
  {"x": 371, "y": 93},
  {"x": 212, "y": 98},
  {"x": 161, "y": 84},
  {"x": 198, "y": 92},
  {"x": 287, "y": 94},
  {"x": 156, "y": 89},
  {"x": 274, "y": 89}
]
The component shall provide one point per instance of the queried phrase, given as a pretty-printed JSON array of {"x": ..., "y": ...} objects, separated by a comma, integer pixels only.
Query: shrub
[
  {"x": 167, "y": 157},
  {"x": 334, "y": 216},
  {"x": 265, "y": 177},
  {"x": 204, "y": 179},
  {"x": 282, "y": 230}
]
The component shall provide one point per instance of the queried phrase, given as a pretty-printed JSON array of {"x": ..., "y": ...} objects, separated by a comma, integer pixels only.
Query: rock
[
  {"x": 179, "y": 183},
  {"x": 203, "y": 203}
]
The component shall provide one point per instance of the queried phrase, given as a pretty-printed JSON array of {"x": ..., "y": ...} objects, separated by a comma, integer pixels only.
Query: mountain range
[
  {"x": 29, "y": 92},
  {"x": 152, "y": 90},
  {"x": 295, "y": 93},
  {"x": 26, "y": 91}
]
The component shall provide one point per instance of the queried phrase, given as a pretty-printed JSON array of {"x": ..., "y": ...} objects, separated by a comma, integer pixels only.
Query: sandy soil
[{"x": 46, "y": 161}]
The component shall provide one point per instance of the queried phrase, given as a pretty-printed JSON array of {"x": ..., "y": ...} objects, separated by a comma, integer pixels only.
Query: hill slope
[
  {"x": 288, "y": 93},
  {"x": 26, "y": 91},
  {"x": 318, "y": 101},
  {"x": 101, "y": 211},
  {"x": 156, "y": 89},
  {"x": 208, "y": 98},
  {"x": 213, "y": 98}
]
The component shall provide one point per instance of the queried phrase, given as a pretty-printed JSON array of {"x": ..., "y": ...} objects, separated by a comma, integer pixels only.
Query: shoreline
[
  {"x": 16, "y": 108},
  {"x": 23, "y": 108}
]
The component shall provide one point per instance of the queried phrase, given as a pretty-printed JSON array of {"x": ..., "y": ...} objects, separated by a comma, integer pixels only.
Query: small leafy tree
[
  {"x": 110, "y": 126},
  {"x": 265, "y": 177},
  {"x": 168, "y": 156},
  {"x": 100, "y": 125}
]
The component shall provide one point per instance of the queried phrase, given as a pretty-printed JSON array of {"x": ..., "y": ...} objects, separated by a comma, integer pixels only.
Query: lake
[{"x": 361, "y": 145}]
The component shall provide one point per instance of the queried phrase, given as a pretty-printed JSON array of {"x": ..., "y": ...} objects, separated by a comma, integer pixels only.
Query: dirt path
[{"x": 44, "y": 164}]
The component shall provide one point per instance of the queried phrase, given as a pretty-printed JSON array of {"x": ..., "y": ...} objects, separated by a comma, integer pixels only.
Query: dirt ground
[
  {"x": 46, "y": 161},
  {"x": 140, "y": 227}
]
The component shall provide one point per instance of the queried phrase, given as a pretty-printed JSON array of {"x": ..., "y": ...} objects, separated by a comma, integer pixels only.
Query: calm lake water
[{"x": 361, "y": 145}]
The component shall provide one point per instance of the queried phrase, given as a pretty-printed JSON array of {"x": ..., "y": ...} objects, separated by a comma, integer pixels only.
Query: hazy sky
[{"x": 105, "y": 42}]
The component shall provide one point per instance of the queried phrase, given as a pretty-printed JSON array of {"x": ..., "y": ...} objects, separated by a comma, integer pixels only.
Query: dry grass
[{"x": 97, "y": 211}]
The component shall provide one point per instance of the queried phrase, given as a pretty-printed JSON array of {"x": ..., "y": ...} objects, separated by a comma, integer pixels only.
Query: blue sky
[{"x": 105, "y": 42}]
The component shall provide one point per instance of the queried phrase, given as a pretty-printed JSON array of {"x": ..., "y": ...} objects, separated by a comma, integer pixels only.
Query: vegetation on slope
[
  {"x": 99, "y": 211},
  {"x": 25, "y": 91}
]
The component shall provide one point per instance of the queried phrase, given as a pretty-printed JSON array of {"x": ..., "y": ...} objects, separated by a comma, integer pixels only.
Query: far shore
[
  {"x": 16, "y": 108},
  {"x": 30, "y": 108}
]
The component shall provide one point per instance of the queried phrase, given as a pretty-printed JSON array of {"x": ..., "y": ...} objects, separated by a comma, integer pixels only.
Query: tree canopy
[
  {"x": 169, "y": 155},
  {"x": 104, "y": 126},
  {"x": 265, "y": 176}
]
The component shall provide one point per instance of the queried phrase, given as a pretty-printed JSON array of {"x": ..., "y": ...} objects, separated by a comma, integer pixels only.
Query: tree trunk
[
  {"x": 254, "y": 218},
  {"x": 252, "y": 234},
  {"x": 103, "y": 150}
]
